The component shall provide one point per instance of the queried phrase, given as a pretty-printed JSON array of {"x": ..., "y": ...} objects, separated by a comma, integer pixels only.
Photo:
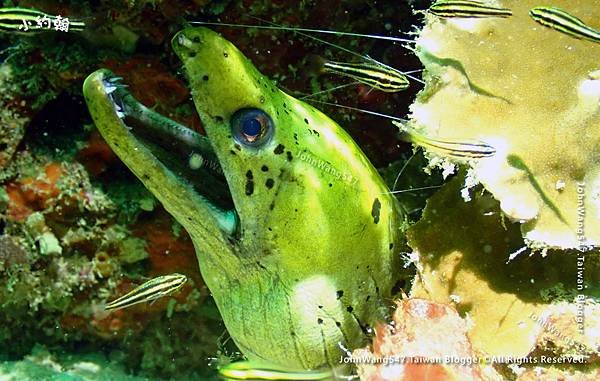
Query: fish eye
[{"x": 251, "y": 127}]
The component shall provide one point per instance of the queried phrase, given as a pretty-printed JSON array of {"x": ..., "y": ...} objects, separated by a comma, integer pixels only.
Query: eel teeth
[
  {"x": 109, "y": 88},
  {"x": 119, "y": 110}
]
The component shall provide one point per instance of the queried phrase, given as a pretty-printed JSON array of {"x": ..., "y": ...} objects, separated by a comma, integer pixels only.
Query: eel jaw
[{"x": 183, "y": 196}]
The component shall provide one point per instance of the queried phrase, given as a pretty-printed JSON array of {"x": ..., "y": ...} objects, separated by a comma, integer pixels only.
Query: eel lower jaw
[{"x": 187, "y": 155}]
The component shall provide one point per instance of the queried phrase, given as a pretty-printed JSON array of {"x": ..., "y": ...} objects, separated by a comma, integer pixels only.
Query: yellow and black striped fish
[
  {"x": 30, "y": 21},
  {"x": 376, "y": 75},
  {"x": 467, "y": 9},
  {"x": 464, "y": 150},
  {"x": 562, "y": 21},
  {"x": 247, "y": 370},
  {"x": 151, "y": 290}
]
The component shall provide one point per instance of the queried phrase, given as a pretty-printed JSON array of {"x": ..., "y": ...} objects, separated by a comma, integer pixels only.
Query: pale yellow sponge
[{"x": 533, "y": 93}]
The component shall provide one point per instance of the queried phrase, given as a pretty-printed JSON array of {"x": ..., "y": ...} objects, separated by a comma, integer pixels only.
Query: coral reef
[
  {"x": 63, "y": 255},
  {"x": 517, "y": 306},
  {"x": 69, "y": 242},
  {"x": 532, "y": 93},
  {"x": 77, "y": 229},
  {"x": 426, "y": 341},
  {"x": 515, "y": 256},
  {"x": 12, "y": 119}
]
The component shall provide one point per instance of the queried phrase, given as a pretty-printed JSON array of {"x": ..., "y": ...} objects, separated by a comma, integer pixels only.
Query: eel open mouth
[{"x": 186, "y": 154}]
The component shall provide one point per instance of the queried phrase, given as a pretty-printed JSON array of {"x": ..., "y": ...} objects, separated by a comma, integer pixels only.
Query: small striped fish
[
  {"x": 31, "y": 21},
  {"x": 560, "y": 20},
  {"x": 460, "y": 150},
  {"x": 151, "y": 290},
  {"x": 467, "y": 9},
  {"x": 378, "y": 76},
  {"x": 247, "y": 370}
]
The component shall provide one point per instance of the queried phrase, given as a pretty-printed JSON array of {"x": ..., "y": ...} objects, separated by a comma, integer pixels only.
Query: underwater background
[{"x": 78, "y": 229}]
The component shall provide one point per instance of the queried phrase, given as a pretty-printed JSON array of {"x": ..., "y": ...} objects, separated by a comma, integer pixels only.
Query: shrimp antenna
[
  {"x": 414, "y": 189},
  {"x": 360, "y": 110},
  {"x": 294, "y": 29},
  {"x": 364, "y": 57},
  {"x": 305, "y": 97},
  {"x": 402, "y": 171}
]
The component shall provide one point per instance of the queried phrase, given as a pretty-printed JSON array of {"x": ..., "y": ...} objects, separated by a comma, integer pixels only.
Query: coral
[
  {"x": 188, "y": 341},
  {"x": 561, "y": 330},
  {"x": 426, "y": 341},
  {"x": 465, "y": 255},
  {"x": 542, "y": 374},
  {"x": 103, "y": 265},
  {"x": 73, "y": 236},
  {"x": 11, "y": 253},
  {"x": 41, "y": 70},
  {"x": 12, "y": 118},
  {"x": 167, "y": 251},
  {"x": 533, "y": 94},
  {"x": 96, "y": 155},
  {"x": 62, "y": 255},
  {"x": 41, "y": 364},
  {"x": 61, "y": 189}
]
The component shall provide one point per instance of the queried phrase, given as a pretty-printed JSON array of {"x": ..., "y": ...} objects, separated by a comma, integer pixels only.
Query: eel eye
[{"x": 251, "y": 127}]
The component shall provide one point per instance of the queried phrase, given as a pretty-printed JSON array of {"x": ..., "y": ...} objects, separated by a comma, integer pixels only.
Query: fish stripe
[
  {"x": 378, "y": 76},
  {"x": 454, "y": 8},
  {"x": 150, "y": 290},
  {"x": 562, "y": 21},
  {"x": 475, "y": 151},
  {"x": 12, "y": 20},
  {"x": 452, "y": 148},
  {"x": 245, "y": 370}
]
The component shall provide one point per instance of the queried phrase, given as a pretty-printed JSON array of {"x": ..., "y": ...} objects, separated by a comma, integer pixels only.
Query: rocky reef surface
[
  {"x": 78, "y": 230},
  {"x": 510, "y": 242},
  {"x": 533, "y": 94},
  {"x": 495, "y": 251}
]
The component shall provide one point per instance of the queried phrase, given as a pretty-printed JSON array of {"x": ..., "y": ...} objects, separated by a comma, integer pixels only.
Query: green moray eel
[{"x": 303, "y": 255}]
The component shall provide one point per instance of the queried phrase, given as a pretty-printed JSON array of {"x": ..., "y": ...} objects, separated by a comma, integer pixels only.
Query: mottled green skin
[{"x": 312, "y": 257}]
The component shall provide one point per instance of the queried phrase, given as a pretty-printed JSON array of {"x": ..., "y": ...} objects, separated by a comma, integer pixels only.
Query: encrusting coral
[
  {"x": 63, "y": 255},
  {"x": 73, "y": 236},
  {"x": 516, "y": 306},
  {"x": 533, "y": 94},
  {"x": 12, "y": 118},
  {"x": 427, "y": 341}
]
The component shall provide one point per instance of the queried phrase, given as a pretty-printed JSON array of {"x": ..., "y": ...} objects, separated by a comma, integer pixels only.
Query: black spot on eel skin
[
  {"x": 279, "y": 149},
  {"x": 375, "y": 210},
  {"x": 249, "y": 183}
]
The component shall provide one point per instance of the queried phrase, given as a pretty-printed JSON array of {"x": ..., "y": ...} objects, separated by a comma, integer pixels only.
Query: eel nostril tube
[{"x": 184, "y": 41}]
